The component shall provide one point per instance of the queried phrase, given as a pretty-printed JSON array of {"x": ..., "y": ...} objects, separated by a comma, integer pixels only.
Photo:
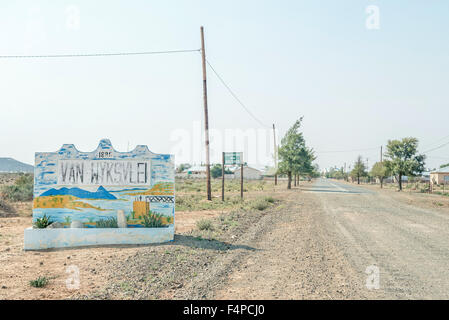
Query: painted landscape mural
[{"x": 95, "y": 187}]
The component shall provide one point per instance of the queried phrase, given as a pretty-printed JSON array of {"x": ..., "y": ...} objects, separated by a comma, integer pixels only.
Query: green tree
[
  {"x": 331, "y": 173},
  {"x": 403, "y": 158},
  {"x": 336, "y": 173},
  {"x": 294, "y": 156},
  {"x": 182, "y": 167},
  {"x": 359, "y": 169},
  {"x": 316, "y": 171},
  {"x": 215, "y": 171},
  {"x": 307, "y": 168},
  {"x": 380, "y": 171}
]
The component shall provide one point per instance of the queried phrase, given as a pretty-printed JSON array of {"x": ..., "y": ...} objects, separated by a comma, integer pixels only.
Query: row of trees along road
[
  {"x": 401, "y": 159},
  {"x": 359, "y": 170},
  {"x": 295, "y": 158}
]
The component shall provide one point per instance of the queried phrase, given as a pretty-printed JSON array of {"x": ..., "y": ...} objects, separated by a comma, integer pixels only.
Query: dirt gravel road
[
  {"x": 286, "y": 252},
  {"x": 332, "y": 237},
  {"x": 408, "y": 243},
  {"x": 296, "y": 258}
]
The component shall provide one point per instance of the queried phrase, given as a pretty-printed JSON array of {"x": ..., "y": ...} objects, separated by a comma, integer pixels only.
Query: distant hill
[
  {"x": 12, "y": 165},
  {"x": 101, "y": 193}
]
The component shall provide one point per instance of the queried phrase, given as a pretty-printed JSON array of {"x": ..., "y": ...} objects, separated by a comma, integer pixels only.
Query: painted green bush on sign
[{"x": 42, "y": 223}]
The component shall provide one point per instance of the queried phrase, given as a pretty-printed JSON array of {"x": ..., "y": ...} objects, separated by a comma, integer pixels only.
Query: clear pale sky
[{"x": 356, "y": 88}]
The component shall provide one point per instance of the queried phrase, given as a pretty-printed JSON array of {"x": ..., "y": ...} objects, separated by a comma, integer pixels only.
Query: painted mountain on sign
[{"x": 100, "y": 194}]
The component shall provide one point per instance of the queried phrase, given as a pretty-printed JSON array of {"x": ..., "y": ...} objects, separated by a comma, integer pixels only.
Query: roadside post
[
  {"x": 229, "y": 159},
  {"x": 241, "y": 180},
  {"x": 446, "y": 180},
  {"x": 222, "y": 176}
]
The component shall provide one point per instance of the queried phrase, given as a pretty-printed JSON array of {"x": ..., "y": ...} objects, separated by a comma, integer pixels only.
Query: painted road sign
[
  {"x": 233, "y": 158},
  {"x": 91, "y": 187},
  {"x": 102, "y": 197}
]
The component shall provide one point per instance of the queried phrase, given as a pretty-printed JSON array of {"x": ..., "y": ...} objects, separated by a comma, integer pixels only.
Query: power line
[
  {"x": 439, "y": 147},
  {"x": 236, "y": 97},
  {"x": 361, "y": 150},
  {"x": 110, "y": 54},
  {"x": 102, "y": 54},
  {"x": 439, "y": 140}
]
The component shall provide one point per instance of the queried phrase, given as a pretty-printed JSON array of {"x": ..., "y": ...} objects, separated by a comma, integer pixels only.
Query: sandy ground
[
  {"x": 416, "y": 199},
  {"x": 316, "y": 242},
  {"x": 186, "y": 220},
  {"x": 295, "y": 259},
  {"x": 327, "y": 241},
  {"x": 403, "y": 234}
]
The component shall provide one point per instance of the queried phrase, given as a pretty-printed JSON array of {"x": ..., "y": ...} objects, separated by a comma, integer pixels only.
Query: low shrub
[
  {"x": 260, "y": 205},
  {"x": 270, "y": 199},
  {"x": 204, "y": 224},
  {"x": 39, "y": 282},
  {"x": 5, "y": 209},
  {"x": 21, "y": 190}
]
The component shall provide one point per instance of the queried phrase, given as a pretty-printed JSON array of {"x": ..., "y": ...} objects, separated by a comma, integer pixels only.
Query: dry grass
[
  {"x": 191, "y": 194},
  {"x": 19, "y": 267}
]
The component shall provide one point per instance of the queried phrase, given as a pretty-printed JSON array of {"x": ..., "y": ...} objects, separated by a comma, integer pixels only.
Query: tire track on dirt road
[
  {"x": 297, "y": 259},
  {"x": 408, "y": 244}
]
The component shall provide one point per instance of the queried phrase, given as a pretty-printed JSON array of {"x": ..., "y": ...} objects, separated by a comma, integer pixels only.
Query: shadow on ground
[
  {"x": 180, "y": 240},
  {"x": 211, "y": 244}
]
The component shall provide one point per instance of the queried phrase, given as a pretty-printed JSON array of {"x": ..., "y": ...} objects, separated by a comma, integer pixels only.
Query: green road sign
[{"x": 233, "y": 158}]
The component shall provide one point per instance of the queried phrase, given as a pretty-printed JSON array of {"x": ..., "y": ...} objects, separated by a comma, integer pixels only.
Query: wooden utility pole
[
  {"x": 206, "y": 116},
  {"x": 381, "y": 179},
  {"x": 367, "y": 170},
  {"x": 241, "y": 180},
  {"x": 381, "y": 154},
  {"x": 344, "y": 176},
  {"x": 275, "y": 158}
]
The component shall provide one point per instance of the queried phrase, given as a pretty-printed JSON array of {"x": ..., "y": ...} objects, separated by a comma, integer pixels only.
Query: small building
[
  {"x": 248, "y": 173},
  {"x": 270, "y": 172},
  {"x": 404, "y": 179},
  {"x": 440, "y": 176},
  {"x": 425, "y": 177},
  {"x": 229, "y": 176},
  {"x": 386, "y": 180}
]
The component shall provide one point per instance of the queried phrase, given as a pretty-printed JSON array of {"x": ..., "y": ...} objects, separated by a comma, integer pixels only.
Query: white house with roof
[
  {"x": 440, "y": 176},
  {"x": 195, "y": 172},
  {"x": 249, "y": 173}
]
